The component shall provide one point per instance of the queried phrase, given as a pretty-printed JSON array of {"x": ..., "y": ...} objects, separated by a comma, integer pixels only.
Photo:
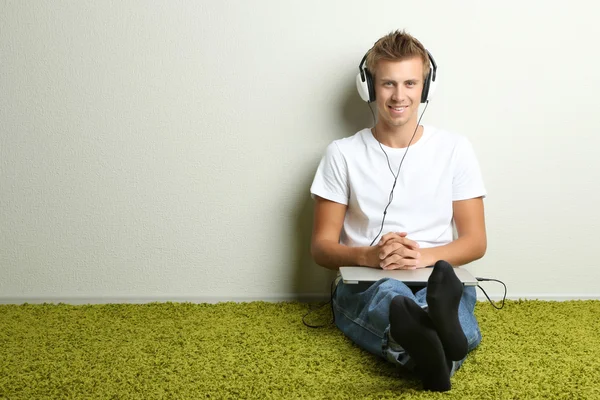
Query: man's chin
[{"x": 399, "y": 122}]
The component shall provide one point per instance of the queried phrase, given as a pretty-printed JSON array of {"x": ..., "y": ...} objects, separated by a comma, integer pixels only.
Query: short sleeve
[
  {"x": 331, "y": 178},
  {"x": 467, "y": 182}
]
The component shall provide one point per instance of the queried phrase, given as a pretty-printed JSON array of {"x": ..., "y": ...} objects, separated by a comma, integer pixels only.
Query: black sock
[
  {"x": 411, "y": 327},
  {"x": 444, "y": 291}
]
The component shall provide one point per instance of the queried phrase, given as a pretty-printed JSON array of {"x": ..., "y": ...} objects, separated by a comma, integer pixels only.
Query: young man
[{"x": 425, "y": 179}]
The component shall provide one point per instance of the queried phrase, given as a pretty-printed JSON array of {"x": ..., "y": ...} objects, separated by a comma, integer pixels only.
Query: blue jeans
[{"x": 362, "y": 313}]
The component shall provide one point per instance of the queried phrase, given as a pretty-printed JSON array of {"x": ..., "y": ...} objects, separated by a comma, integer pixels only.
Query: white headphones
[{"x": 366, "y": 88}]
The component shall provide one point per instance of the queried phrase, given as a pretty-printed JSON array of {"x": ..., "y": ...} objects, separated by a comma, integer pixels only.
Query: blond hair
[{"x": 397, "y": 46}]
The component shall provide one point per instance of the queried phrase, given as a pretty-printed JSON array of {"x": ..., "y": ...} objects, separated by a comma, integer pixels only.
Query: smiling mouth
[{"x": 398, "y": 109}]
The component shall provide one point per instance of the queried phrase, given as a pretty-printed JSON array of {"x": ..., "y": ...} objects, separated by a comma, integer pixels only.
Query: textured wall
[{"x": 164, "y": 150}]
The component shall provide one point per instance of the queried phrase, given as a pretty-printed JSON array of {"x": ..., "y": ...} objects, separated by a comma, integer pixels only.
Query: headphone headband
[
  {"x": 432, "y": 64},
  {"x": 360, "y": 66}
]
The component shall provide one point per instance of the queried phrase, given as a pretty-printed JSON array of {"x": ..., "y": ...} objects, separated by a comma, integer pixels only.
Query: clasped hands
[{"x": 396, "y": 251}]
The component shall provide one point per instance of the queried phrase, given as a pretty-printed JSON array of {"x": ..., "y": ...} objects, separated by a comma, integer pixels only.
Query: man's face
[{"x": 398, "y": 87}]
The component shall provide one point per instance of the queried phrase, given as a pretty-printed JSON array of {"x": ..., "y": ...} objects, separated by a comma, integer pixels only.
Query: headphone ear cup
[
  {"x": 371, "y": 85},
  {"x": 426, "y": 88},
  {"x": 362, "y": 87}
]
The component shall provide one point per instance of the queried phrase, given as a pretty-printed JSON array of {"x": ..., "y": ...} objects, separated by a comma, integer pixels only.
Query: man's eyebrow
[{"x": 384, "y": 79}]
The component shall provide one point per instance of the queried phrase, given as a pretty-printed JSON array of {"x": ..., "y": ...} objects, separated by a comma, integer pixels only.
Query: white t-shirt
[{"x": 441, "y": 167}]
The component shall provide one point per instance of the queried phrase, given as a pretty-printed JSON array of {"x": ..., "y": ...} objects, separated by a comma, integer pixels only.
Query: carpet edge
[{"x": 307, "y": 297}]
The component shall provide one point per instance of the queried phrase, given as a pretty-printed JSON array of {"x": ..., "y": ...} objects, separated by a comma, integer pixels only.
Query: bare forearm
[
  {"x": 333, "y": 255},
  {"x": 459, "y": 252}
]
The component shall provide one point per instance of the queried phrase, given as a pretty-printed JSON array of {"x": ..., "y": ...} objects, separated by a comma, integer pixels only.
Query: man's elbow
[
  {"x": 316, "y": 253},
  {"x": 319, "y": 255},
  {"x": 479, "y": 248}
]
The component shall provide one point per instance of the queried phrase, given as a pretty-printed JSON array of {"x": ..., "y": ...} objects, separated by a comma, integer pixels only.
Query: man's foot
[
  {"x": 444, "y": 291},
  {"x": 411, "y": 328}
]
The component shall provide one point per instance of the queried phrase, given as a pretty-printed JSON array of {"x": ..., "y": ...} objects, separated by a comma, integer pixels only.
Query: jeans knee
[{"x": 394, "y": 286}]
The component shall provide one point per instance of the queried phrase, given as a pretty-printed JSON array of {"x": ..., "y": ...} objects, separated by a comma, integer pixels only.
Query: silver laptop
[{"x": 408, "y": 276}]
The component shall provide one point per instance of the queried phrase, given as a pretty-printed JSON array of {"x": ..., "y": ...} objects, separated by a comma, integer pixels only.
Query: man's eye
[
  {"x": 410, "y": 83},
  {"x": 388, "y": 84}
]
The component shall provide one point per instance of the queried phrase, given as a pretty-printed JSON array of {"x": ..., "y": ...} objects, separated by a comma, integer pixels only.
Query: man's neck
[{"x": 397, "y": 136}]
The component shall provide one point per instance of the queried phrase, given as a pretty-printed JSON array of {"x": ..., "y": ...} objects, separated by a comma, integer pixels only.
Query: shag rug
[{"x": 259, "y": 350}]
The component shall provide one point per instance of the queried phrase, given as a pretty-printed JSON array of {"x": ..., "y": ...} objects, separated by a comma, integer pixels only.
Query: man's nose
[{"x": 399, "y": 93}]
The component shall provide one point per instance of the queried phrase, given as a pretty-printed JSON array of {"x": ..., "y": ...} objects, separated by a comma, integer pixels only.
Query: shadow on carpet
[{"x": 530, "y": 349}]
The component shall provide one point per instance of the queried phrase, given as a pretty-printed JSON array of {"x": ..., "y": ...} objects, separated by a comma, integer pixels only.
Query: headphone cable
[
  {"x": 488, "y": 297},
  {"x": 396, "y": 175}
]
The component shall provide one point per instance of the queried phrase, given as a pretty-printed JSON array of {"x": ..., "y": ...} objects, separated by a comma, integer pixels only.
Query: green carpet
[{"x": 530, "y": 350}]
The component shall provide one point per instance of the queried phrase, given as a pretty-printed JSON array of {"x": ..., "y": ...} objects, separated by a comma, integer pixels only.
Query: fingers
[
  {"x": 398, "y": 248},
  {"x": 391, "y": 235},
  {"x": 396, "y": 261},
  {"x": 399, "y": 267},
  {"x": 406, "y": 242},
  {"x": 399, "y": 238}
]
